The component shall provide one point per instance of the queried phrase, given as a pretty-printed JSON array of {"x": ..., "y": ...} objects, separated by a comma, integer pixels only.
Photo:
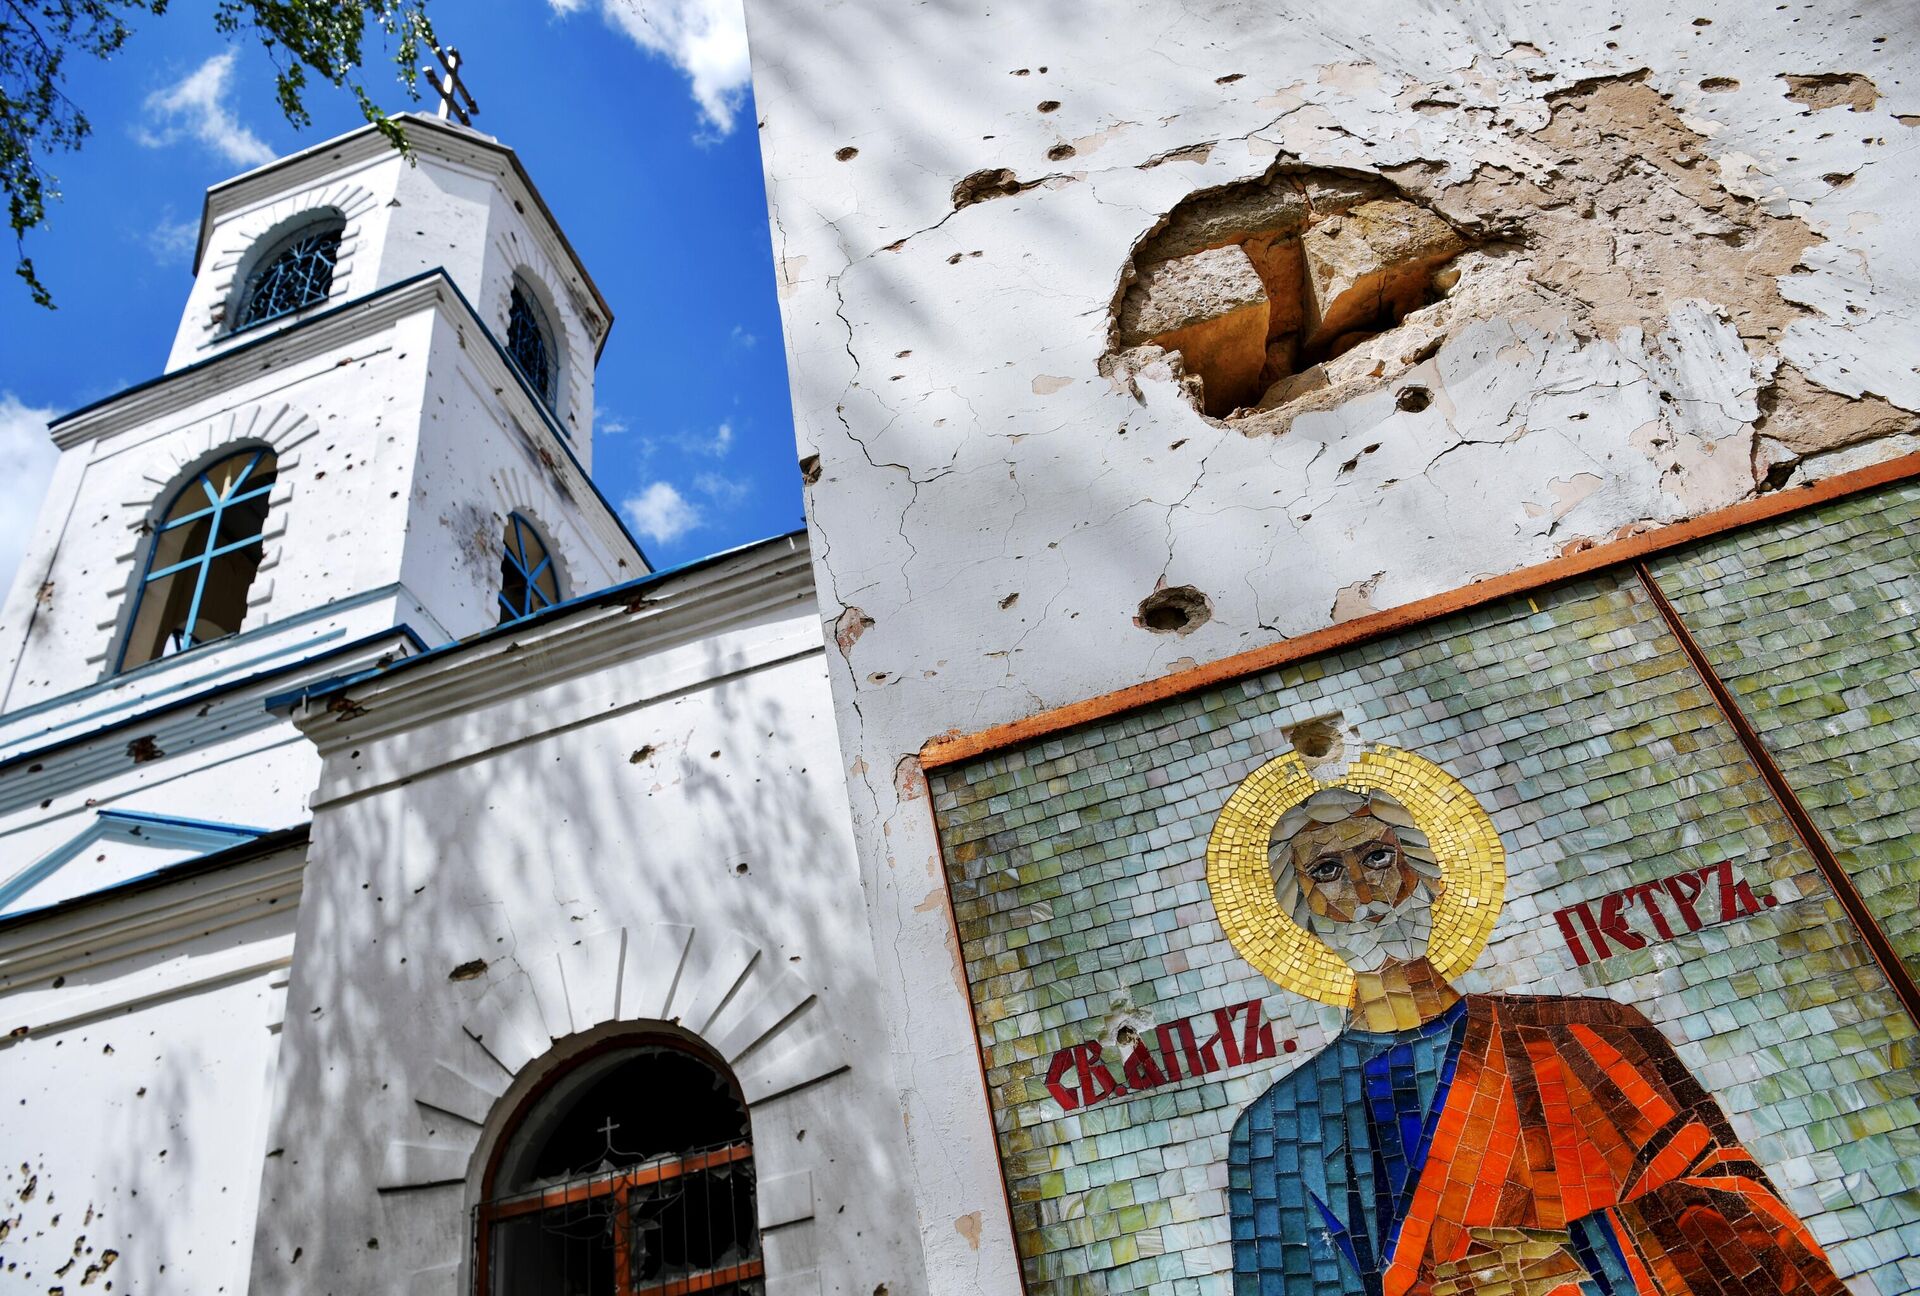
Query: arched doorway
[{"x": 628, "y": 1172}]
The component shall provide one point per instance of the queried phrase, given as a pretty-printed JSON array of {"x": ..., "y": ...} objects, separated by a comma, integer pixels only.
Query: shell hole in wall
[
  {"x": 1177, "y": 609},
  {"x": 1317, "y": 740},
  {"x": 1258, "y": 284}
]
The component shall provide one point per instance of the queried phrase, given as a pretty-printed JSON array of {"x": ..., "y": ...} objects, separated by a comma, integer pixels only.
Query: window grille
[
  {"x": 206, "y": 550},
  {"x": 609, "y": 1184},
  {"x": 528, "y": 581},
  {"x": 529, "y": 342},
  {"x": 299, "y": 274}
]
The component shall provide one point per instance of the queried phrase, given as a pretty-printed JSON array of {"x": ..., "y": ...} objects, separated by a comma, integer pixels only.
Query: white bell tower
[{"x": 373, "y": 435}]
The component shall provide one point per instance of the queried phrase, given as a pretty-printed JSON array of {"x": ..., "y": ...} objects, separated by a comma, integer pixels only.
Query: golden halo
[{"x": 1472, "y": 868}]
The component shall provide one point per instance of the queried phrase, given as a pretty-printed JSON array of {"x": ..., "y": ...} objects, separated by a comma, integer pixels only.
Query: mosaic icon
[{"x": 1450, "y": 1144}]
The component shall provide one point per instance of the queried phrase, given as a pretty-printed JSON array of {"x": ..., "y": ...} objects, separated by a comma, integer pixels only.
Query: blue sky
[{"x": 634, "y": 118}]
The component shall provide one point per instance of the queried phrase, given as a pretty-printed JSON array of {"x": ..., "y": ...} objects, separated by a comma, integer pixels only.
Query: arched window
[
  {"x": 530, "y": 341},
  {"x": 630, "y": 1173},
  {"x": 206, "y": 549},
  {"x": 528, "y": 581},
  {"x": 296, "y": 273}
]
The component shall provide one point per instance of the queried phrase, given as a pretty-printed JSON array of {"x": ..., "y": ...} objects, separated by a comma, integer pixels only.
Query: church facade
[
  {"x": 1338, "y": 725},
  {"x": 338, "y": 698}
]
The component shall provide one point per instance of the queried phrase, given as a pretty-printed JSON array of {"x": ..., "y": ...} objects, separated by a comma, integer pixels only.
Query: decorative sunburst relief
[
  {"x": 234, "y": 247},
  {"x": 164, "y": 462},
  {"x": 720, "y": 985}
]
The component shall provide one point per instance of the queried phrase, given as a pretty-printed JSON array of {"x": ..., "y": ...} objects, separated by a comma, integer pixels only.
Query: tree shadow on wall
[{"x": 718, "y": 807}]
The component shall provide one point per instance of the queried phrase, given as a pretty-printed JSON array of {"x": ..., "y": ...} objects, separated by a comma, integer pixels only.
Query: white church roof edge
[
  {"x": 368, "y": 140},
  {"x": 239, "y": 853},
  {"x": 175, "y": 702},
  {"x": 133, "y": 827},
  {"x": 148, "y": 399},
  {"x": 320, "y": 692}
]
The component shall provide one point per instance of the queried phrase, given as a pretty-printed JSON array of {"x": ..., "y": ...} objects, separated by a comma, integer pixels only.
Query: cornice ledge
[
  {"x": 171, "y": 392},
  {"x": 153, "y": 918},
  {"x": 426, "y": 133},
  {"x": 657, "y": 616}
]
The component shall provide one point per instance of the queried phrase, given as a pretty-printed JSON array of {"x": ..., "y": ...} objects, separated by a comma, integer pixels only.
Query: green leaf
[{"x": 302, "y": 38}]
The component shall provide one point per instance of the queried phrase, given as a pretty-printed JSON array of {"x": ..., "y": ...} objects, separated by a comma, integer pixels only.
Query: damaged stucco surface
[{"x": 1689, "y": 284}]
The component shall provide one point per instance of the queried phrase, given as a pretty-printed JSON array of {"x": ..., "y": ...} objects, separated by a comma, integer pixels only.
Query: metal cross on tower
[{"x": 451, "y": 88}]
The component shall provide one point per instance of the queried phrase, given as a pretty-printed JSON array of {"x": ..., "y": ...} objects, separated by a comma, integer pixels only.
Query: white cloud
[
  {"x": 705, "y": 39},
  {"x": 660, "y": 513},
  {"x": 741, "y": 338},
  {"x": 26, "y": 462},
  {"x": 171, "y": 240},
  {"x": 197, "y": 106},
  {"x": 714, "y": 444},
  {"x": 721, "y": 490}
]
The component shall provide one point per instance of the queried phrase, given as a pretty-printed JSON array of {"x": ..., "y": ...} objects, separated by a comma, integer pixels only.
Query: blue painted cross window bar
[
  {"x": 299, "y": 274},
  {"x": 527, "y": 343},
  {"x": 205, "y": 553},
  {"x": 528, "y": 581}
]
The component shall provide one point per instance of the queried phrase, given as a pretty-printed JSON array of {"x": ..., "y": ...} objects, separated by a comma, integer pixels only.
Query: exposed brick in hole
[
  {"x": 1355, "y": 600},
  {"x": 1174, "y": 609},
  {"x": 1821, "y": 90},
  {"x": 847, "y": 154},
  {"x": 1258, "y": 281},
  {"x": 848, "y": 627},
  {"x": 468, "y": 971},
  {"x": 1672, "y": 232}
]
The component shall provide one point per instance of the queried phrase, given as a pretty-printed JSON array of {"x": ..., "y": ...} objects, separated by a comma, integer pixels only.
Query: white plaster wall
[
  {"x": 362, "y": 191},
  {"x": 216, "y": 755},
  {"x": 260, "y": 779},
  {"x": 400, "y": 454},
  {"x": 344, "y": 425},
  {"x": 481, "y": 455},
  {"x": 503, "y": 806},
  {"x": 136, "y": 1095},
  {"x": 990, "y": 510},
  {"x": 462, "y": 220}
]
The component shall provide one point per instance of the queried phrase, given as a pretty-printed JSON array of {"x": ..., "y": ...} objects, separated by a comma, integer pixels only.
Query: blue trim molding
[{"x": 131, "y": 827}]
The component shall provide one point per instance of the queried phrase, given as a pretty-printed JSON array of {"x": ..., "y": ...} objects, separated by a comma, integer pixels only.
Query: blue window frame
[
  {"x": 206, "y": 550},
  {"x": 298, "y": 273},
  {"x": 529, "y": 342},
  {"x": 528, "y": 581}
]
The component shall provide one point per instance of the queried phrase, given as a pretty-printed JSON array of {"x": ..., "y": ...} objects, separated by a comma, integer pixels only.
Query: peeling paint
[{"x": 1680, "y": 288}]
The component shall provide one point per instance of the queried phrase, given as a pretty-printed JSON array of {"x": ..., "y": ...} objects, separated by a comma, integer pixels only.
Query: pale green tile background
[
  {"x": 1815, "y": 627},
  {"x": 1077, "y": 869}
]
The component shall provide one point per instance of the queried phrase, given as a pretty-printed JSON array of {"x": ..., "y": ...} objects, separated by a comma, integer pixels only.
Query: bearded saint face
[{"x": 1353, "y": 870}]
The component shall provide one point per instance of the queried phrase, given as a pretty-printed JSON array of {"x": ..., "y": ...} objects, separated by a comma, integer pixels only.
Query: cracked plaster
[{"x": 1614, "y": 387}]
